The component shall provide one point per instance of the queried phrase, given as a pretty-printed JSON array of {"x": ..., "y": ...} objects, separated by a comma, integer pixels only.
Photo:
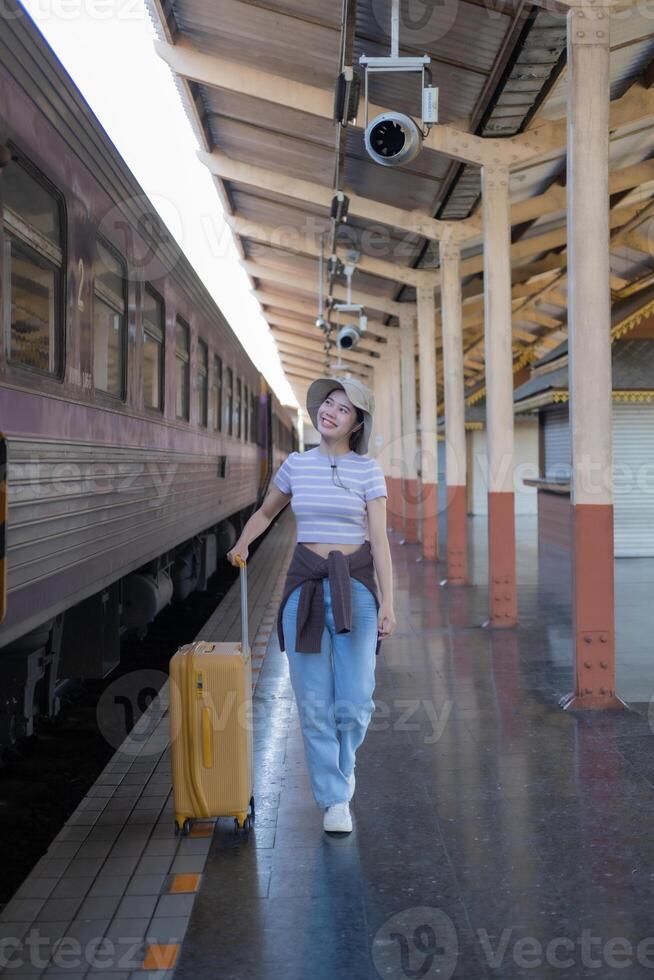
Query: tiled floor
[
  {"x": 494, "y": 835},
  {"x": 114, "y": 892}
]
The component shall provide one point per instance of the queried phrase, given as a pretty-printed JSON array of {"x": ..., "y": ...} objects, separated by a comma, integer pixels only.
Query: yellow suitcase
[{"x": 211, "y": 729}]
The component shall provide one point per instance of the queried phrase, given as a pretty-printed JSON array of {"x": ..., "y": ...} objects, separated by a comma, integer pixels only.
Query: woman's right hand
[{"x": 238, "y": 549}]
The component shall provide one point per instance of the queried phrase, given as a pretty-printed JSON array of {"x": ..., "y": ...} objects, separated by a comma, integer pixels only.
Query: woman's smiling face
[{"x": 337, "y": 415}]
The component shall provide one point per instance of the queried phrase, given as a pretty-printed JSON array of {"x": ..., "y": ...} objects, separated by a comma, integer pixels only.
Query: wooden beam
[
  {"x": 355, "y": 357},
  {"x": 268, "y": 273},
  {"x": 365, "y": 348},
  {"x": 276, "y": 182},
  {"x": 318, "y": 368},
  {"x": 292, "y": 349},
  {"x": 300, "y": 241},
  {"x": 211, "y": 70},
  {"x": 534, "y": 316}
]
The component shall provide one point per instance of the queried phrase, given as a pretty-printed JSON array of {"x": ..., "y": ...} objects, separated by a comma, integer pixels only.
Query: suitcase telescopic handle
[{"x": 242, "y": 564}]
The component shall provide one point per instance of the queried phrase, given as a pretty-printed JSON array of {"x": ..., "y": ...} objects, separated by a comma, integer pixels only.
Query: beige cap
[{"x": 360, "y": 396}]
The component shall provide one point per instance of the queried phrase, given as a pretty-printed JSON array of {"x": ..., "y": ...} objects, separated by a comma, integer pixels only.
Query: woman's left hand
[{"x": 385, "y": 619}]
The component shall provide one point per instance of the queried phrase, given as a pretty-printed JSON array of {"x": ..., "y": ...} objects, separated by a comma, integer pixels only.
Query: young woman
[{"x": 331, "y": 621}]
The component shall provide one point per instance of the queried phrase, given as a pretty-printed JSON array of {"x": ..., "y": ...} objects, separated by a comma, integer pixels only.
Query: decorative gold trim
[
  {"x": 633, "y": 396},
  {"x": 631, "y": 321},
  {"x": 474, "y": 425},
  {"x": 476, "y": 396},
  {"x": 526, "y": 356}
]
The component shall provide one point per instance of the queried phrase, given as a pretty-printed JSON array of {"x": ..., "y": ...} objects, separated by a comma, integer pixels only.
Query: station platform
[
  {"x": 494, "y": 835},
  {"x": 113, "y": 894}
]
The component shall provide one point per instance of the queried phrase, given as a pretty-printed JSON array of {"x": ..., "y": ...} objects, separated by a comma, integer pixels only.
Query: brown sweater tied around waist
[{"x": 308, "y": 569}]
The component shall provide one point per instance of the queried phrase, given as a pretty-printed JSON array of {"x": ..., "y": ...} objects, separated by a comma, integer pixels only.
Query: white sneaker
[
  {"x": 352, "y": 782},
  {"x": 337, "y": 817}
]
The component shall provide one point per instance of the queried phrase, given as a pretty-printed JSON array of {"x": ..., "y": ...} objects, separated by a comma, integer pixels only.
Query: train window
[
  {"x": 33, "y": 269},
  {"x": 230, "y": 402},
  {"x": 153, "y": 348},
  {"x": 182, "y": 369},
  {"x": 237, "y": 408},
  {"x": 203, "y": 382},
  {"x": 109, "y": 321},
  {"x": 217, "y": 393},
  {"x": 254, "y": 435},
  {"x": 246, "y": 413}
]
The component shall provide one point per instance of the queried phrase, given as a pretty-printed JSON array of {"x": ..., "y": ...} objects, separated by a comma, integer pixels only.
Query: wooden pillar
[
  {"x": 377, "y": 441},
  {"x": 589, "y": 323},
  {"x": 393, "y": 396},
  {"x": 428, "y": 421},
  {"x": 499, "y": 396},
  {"x": 455, "y": 436},
  {"x": 409, "y": 434},
  {"x": 383, "y": 431}
]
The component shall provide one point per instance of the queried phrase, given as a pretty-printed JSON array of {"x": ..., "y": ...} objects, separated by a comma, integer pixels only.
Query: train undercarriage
[{"x": 83, "y": 643}]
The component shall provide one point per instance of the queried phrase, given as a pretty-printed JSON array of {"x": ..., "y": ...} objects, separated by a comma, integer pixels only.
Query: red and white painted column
[
  {"x": 499, "y": 395},
  {"x": 428, "y": 421},
  {"x": 455, "y": 436},
  {"x": 589, "y": 322},
  {"x": 410, "y": 498},
  {"x": 393, "y": 397}
]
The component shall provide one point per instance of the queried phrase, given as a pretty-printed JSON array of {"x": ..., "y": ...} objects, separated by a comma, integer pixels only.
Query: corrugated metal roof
[
  {"x": 303, "y": 47},
  {"x": 499, "y": 69},
  {"x": 525, "y": 83}
]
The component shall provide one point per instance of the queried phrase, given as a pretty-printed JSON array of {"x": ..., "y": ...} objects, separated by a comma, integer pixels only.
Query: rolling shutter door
[
  {"x": 557, "y": 444},
  {"x": 633, "y": 485}
]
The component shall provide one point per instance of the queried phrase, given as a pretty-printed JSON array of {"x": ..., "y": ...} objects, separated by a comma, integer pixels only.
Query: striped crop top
[{"x": 325, "y": 511}]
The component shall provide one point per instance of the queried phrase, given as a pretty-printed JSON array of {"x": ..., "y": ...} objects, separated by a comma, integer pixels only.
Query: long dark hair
[{"x": 355, "y": 436}]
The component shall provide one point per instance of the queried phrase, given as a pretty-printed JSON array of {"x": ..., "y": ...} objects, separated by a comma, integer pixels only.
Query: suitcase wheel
[
  {"x": 186, "y": 826},
  {"x": 247, "y": 824}
]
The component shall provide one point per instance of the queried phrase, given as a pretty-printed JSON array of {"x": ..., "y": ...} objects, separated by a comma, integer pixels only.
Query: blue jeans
[{"x": 333, "y": 690}]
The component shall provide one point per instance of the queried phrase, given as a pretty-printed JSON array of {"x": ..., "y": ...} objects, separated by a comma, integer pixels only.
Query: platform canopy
[{"x": 259, "y": 81}]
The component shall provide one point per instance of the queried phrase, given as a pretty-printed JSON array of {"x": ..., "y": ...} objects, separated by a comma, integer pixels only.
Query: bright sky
[{"x": 107, "y": 48}]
